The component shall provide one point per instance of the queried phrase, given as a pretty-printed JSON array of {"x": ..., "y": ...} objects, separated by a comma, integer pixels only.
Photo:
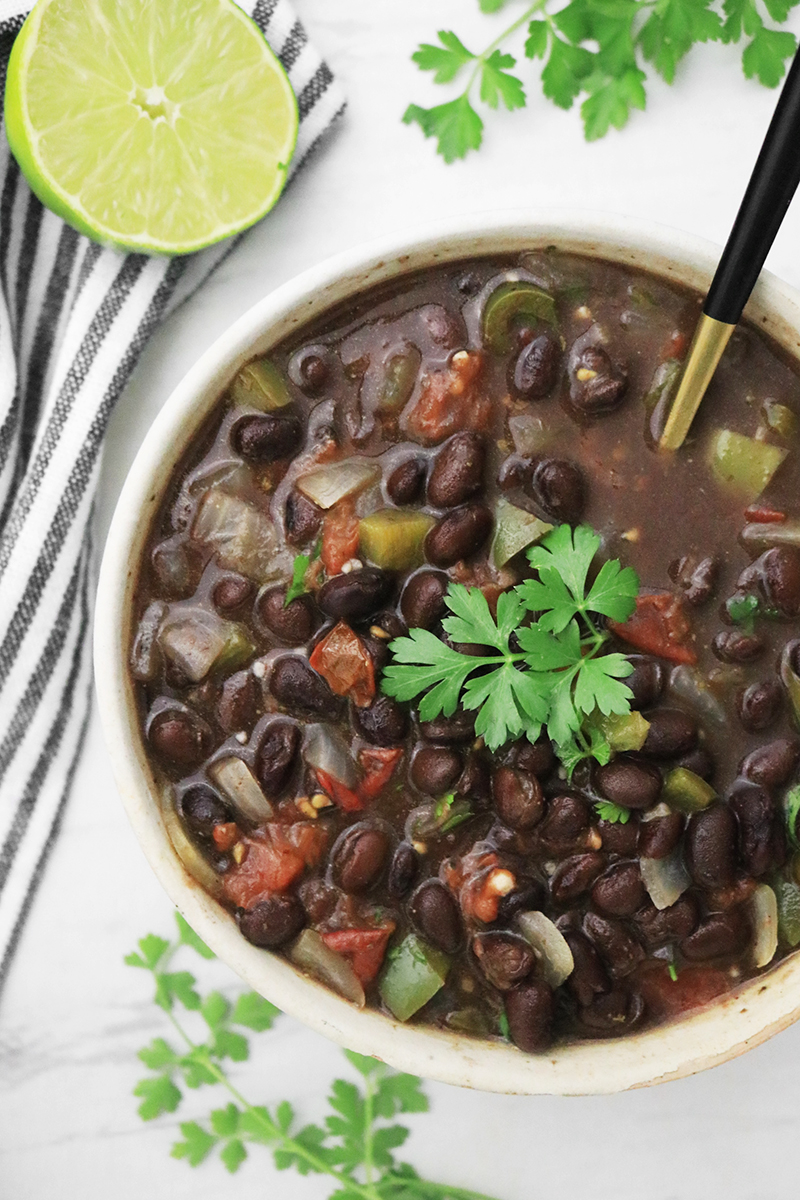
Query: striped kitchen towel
[{"x": 74, "y": 318}]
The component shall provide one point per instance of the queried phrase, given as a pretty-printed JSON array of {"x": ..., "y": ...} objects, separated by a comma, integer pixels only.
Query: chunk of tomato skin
[
  {"x": 658, "y": 626},
  {"x": 379, "y": 766},
  {"x": 762, "y": 514},
  {"x": 342, "y": 796},
  {"x": 345, "y": 664},
  {"x": 694, "y": 987},
  {"x": 339, "y": 536},
  {"x": 226, "y": 835},
  {"x": 364, "y": 948}
]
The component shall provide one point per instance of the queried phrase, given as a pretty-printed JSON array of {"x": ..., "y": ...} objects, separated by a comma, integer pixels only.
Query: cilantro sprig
[
  {"x": 602, "y": 50},
  {"x": 553, "y": 672},
  {"x": 354, "y": 1146}
]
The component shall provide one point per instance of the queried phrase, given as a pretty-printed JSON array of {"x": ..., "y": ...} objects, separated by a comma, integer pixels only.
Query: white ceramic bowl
[{"x": 719, "y": 1032}]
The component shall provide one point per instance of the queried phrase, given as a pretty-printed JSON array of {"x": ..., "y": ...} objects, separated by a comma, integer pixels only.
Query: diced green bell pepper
[
  {"x": 744, "y": 463},
  {"x": 508, "y": 302},
  {"x": 623, "y": 731},
  {"x": 413, "y": 975},
  {"x": 392, "y": 538},
  {"x": 788, "y": 897},
  {"x": 780, "y": 418},
  {"x": 686, "y": 791},
  {"x": 664, "y": 379},
  {"x": 514, "y": 530},
  {"x": 400, "y": 375},
  {"x": 260, "y": 385}
]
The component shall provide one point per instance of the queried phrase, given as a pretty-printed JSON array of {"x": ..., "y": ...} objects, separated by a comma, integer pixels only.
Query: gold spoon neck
[{"x": 710, "y": 339}]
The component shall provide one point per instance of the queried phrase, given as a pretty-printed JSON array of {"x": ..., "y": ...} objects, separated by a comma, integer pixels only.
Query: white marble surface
[{"x": 72, "y": 1015}]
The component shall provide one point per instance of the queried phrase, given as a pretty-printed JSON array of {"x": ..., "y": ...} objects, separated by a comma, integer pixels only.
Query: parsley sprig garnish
[
  {"x": 599, "y": 49},
  {"x": 552, "y": 672},
  {"x": 353, "y": 1147}
]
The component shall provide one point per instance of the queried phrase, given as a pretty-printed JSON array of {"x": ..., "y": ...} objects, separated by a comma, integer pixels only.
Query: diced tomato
[
  {"x": 344, "y": 797},
  {"x": 468, "y": 877},
  {"x": 378, "y": 766},
  {"x": 274, "y": 859},
  {"x": 676, "y": 346},
  {"x": 449, "y": 401},
  {"x": 225, "y": 835},
  {"x": 339, "y": 536},
  {"x": 658, "y": 626},
  {"x": 693, "y": 988},
  {"x": 365, "y": 948},
  {"x": 343, "y": 661},
  {"x": 762, "y": 514}
]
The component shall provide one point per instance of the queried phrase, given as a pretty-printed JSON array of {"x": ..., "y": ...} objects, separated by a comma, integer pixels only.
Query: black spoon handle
[{"x": 769, "y": 193}]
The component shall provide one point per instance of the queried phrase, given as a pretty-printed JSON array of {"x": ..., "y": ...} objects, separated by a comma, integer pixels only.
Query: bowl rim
[{"x": 706, "y": 1037}]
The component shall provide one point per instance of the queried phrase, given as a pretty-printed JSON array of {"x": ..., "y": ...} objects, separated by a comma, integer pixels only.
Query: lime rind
[{"x": 162, "y": 135}]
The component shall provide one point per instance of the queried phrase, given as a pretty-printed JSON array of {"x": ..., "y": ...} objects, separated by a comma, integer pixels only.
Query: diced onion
[
  {"x": 528, "y": 434},
  {"x": 241, "y": 787},
  {"x": 764, "y": 914},
  {"x": 197, "y": 640},
  {"x": 310, "y": 953},
  {"x": 242, "y": 536},
  {"x": 549, "y": 945},
  {"x": 666, "y": 879},
  {"x": 330, "y": 484},
  {"x": 325, "y": 750},
  {"x": 145, "y": 655},
  {"x": 194, "y": 862},
  {"x": 690, "y": 686}
]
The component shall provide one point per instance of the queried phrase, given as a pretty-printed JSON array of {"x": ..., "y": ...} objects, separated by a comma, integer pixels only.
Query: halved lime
[{"x": 155, "y": 125}]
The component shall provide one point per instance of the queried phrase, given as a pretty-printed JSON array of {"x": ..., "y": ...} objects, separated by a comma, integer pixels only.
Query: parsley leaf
[
  {"x": 614, "y": 813},
  {"x": 455, "y": 125},
  {"x": 445, "y": 60},
  {"x": 743, "y": 611},
  {"x": 497, "y": 84},
  {"x": 298, "y": 585}
]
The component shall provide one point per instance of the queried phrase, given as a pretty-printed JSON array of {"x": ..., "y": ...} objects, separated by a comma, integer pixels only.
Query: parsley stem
[{"x": 498, "y": 41}]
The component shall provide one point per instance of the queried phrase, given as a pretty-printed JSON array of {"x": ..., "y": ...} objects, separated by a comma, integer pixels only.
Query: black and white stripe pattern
[{"x": 73, "y": 319}]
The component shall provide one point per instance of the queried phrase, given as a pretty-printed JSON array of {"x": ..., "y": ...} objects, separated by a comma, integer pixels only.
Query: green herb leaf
[
  {"x": 497, "y": 84},
  {"x": 152, "y": 951},
  {"x": 298, "y": 585},
  {"x": 233, "y": 1155},
  {"x": 158, "y": 1054},
  {"x": 765, "y": 57},
  {"x": 254, "y": 1012},
  {"x": 196, "y": 1146},
  {"x": 445, "y": 60},
  {"x": 743, "y": 611},
  {"x": 225, "y": 1121},
  {"x": 188, "y": 937},
  {"x": 614, "y": 813},
  {"x": 536, "y": 42},
  {"x": 159, "y": 1095},
  {"x": 673, "y": 972},
  {"x": 455, "y": 125},
  {"x": 791, "y": 806}
]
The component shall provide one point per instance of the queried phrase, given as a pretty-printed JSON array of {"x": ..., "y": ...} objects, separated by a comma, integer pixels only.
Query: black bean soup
[{"x": 426, "y": 433}]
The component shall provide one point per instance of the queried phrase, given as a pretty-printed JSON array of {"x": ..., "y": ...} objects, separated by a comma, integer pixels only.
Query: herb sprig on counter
[
  {"x": 353, "y": 1148},
  {"x": 599, "y": 49},
  {"x": 551, "y": 672}
]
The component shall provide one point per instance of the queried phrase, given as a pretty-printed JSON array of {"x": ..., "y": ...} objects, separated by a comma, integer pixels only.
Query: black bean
[
  {"x": 659, "y": 836},
  {"x": 528, "y": 896},
  {"x": 567, "y": 819},
  {"x": 575, "y": 875},
  {"x": 303, "y": 519},
  {"x": 589, "y": 977},
  {"x": 450, "y": 731},
  {"x": 734, "y": 646},
  {"x": 230, "y": 593},
  {"x": 557, "y": 485},
  {"x": 390, "y": 623},
  {"x": 238, "y": 703},
  {"x": 711, "y": 846},
  {"x": 292, "y": 623},
  {"x": 435, "y": 769},
  {"x": 759, "y": 705},
  {"x": 475, "y": 781},
  {"x": 378, "y": 650},
  {"x": 434, "y": 911},
  {"x": 504, "y": 958},
  {"x": 355, "y": 596},
  {"x": 403, "y": 871},
  {"x": 672, "y": 732},
  {"x": 404, "y": 485},
  {"x": 298, "y": 687},
  {"x": 535, "y": 371},
  {"x": 177, "y": 565},
  {"x": 458, "y": 535},
  {"x": 604, "y": 390},
  {"x": 180, "y": 736},
  {"x": 720, "y": 935},
  {"x": 699, "y": 761},
  {"x": 628, "y": 783},
  {"x": 780, "y": 569},
  {"x": 202, "y": 810},
  {"x": 619, "y": 949},
  {"x": 384, "y": 722},
  {"x": 457, "y": 470},
  {"x": 276, "y": 756},
  {"x": 530, "y": 1011},
  {"x": 358, "y": 858},
  {"x": 267, "y": 438},
  {"x": 273, "y": 922},
  {"x": 618, "y": 838},
  {"x": 760, "y": 827},
  {"x": 619, "y": 891},
  {"x": 518, "y": 798},
  {"x": 697, "y": 580},
  {"x": 536, "y": 757},
  {"x": 422, "y": 601},
  {"x": 310, "y": 369},
  {"x": 513, "y": 472},
  {"x": 616, "y": 1013},
  {"x": 646, "y": 681},
  {"x": 659, "y": 926},
  {"x": 773, "y": 764}
]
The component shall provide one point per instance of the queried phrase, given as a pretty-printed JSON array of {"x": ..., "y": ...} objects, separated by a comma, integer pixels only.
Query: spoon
[{"x": 769, "y": 193}]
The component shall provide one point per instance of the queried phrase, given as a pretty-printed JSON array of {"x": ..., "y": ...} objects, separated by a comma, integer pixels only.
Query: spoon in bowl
[{"x": 769, "y": 193}]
